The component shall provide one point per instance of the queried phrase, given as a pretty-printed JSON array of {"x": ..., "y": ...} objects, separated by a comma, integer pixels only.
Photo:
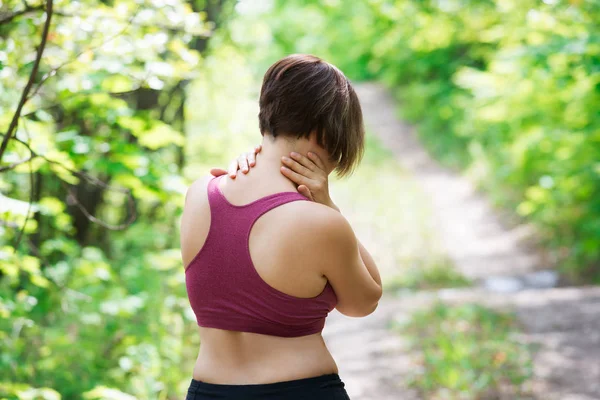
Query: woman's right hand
[
  {"x": 310, "y": 176},
  {"x": 243, "y": 163}
]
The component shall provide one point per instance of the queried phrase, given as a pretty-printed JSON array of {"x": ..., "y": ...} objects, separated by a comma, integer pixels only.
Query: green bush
[
  {"x": 509, "y": 90},
  {"x": 438, "y": 274},
  {"x": 84, "y": 309},
  {"x": 468, "y": 352}
]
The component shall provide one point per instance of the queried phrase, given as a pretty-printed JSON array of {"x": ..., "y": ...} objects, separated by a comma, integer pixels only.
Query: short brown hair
[{"x": 301, "y": 94}]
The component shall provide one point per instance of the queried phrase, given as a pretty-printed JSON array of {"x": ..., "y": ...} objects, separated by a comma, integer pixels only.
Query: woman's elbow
[
  {"x": 371, "y": 309},
  {"x": 375, "y": 302},
  {"x": 359, "y": 310}
]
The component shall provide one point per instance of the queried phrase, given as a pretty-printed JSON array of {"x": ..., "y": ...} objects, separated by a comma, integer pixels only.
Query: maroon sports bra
[{"x": 225, "y": 290}]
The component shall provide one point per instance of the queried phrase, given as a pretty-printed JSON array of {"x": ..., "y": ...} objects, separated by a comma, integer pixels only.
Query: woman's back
[
  {"x": 261, "y": 316},
  {"x": 265, "y": 267}
]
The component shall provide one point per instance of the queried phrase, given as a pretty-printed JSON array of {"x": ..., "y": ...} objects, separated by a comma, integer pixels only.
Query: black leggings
[{"x": 324, "y": 387}]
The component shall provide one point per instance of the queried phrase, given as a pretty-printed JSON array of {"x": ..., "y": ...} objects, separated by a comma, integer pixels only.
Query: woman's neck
[{"x": 268, "y": 161}]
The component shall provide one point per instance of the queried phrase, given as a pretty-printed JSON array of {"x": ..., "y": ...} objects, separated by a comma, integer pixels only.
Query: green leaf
[
  {"x": 165, "y": 260},
  {"x": 161, "y": 135},
  {"x": 39, "y": 280},
  {"x": 117, "y": 84},
  {"x": 135, "y": 124},
  {"x": 51, "y": 206},
  {"x": 106, "y": 393}
]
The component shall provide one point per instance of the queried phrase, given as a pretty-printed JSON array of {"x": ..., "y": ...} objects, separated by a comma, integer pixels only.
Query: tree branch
[
  {"x": 28, "y": 214},
  {"x": 16, "y": 139},
  {"x": 36, "y": 65},
  {"x": 94, "y": 181},
  {"x": 171, "y": 28},
  {"x": 28, "y": 9},
  {"x": 31, "y": 195},
  {"x": 54, "y": 70},
  {"x": 81, "y": 93},
  {"x": 16, "y": 164},
  {"x": 73, "y": 199}
]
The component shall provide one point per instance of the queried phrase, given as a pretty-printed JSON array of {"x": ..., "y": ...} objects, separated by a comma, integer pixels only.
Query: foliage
[
  {"x": 84, "y": 310},
  {"x": 135, "y": 98},
  {"x": 468, "y": 352},
  {"x": 439, "y": 274},
  {"x": 508, "y": 90}
]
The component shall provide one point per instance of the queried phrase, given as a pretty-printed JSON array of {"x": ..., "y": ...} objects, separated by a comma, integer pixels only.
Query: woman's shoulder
[
  {"x": 317, "y": 235},
  {"x": 196, "y": 206},
  {"x": 315, "y": 222},
  {"x": 197, "y": 190}
]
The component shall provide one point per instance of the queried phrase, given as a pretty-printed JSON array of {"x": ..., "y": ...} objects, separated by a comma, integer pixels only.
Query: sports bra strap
[{"x": 221, "y": 207}]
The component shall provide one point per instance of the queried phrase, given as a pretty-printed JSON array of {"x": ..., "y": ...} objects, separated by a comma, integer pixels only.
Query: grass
[
  {"x": 436, "y": 275},
  {"x": 468, "y": 352}
]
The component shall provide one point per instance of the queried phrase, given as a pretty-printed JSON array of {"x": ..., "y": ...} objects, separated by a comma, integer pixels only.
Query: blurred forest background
[{"x": 110, "y": 108}]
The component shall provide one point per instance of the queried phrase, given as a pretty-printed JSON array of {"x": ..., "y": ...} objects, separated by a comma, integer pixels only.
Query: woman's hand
[
  {"x": 244, "y": 162},
  {"x": 310, "y": 176}
]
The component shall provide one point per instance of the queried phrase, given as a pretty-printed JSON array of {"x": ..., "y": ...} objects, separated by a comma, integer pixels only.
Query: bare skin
[{"x": 296, "y": 248}]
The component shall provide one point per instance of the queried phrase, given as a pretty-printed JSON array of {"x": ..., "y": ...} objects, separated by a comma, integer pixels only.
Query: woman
[{"x": 268, "y": 254}]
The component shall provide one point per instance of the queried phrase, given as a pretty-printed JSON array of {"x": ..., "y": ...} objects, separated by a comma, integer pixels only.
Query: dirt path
[
  {"x": 472, "y": 233},
  {"x": 373, "y": 360},
  {"x": 563, "y": 323}
]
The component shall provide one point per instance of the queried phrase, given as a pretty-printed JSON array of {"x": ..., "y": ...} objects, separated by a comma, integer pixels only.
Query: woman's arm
[
  {"x": 312, "y": 180},
  {"x": 369, "y": 263},
  {"x": 351, "y": 270}
]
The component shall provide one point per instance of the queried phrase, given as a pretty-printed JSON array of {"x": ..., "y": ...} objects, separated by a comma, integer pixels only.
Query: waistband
[{"x": 316, "y": 382}]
